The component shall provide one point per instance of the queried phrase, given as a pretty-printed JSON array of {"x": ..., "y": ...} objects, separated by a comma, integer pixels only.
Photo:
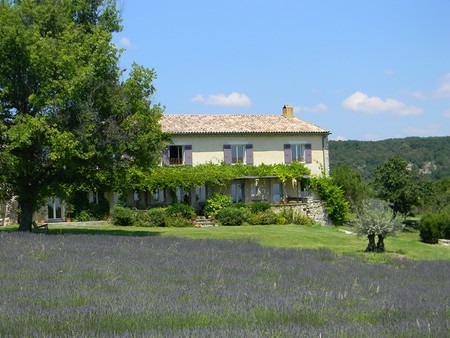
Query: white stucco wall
[{"x": 266, "y": 149}]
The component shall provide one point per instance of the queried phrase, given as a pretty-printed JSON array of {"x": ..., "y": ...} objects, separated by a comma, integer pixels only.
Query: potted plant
[{"x": 69, "y": 212}]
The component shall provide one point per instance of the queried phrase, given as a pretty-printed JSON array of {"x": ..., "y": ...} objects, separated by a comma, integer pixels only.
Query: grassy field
[
  {"x": 405, "y": 245},
  {"x": 155, "y": 283}
]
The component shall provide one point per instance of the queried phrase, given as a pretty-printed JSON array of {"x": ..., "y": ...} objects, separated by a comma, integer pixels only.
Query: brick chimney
[{"x": 288, "y": 111}]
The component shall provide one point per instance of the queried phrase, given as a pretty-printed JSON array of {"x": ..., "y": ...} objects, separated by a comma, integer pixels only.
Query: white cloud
[
  {"x": 318, "y": 108},
  {"x": 430, "y": 130},
  {"x": 419, "y": 95},
  {"x": 340, "y": 138},
  {"x": 234, "y": 99},
  {"x": 126, "y": 42},
  {"x": 362, "y": 103},
  {"x": 371, "y": 137},
  {"x": 444, "y": 88},
  {"x": 410, "y": 111}
]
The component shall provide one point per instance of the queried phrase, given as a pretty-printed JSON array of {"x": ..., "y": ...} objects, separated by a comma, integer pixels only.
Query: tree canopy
[
  {"x": 351, "y": 182},
  {"x": 67, "y": 120},
  {"x": 396, "y": 183}
]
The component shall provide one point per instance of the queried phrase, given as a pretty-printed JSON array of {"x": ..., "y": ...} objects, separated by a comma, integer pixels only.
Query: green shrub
[
  {"x": 157, "y": 217},
  {"x": 178, "y": 222},
  {"x": 280, "y": 219},
  {"x": 231, "y": 216},
  {"x": 434, "y": 226},
  {"x": 99, "y": 210},
  {"x": 259, "y": 207},
  {"x": 122, "y": 216},
  {"x": 336, "y": 205},
  {"x": 180, "y": 210},
  {"x": 301, "y": 219},
  {"x": 263, "y": 218},
  {"x": 84, "y": 216},
  {"x": 239, "y": 205},
  {"x": 216, "y": 203},
  {"x": 287, "y": 214}
]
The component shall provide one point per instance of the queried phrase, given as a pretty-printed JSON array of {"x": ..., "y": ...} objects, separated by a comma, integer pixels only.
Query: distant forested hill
[{"x": 430, "y": 155}]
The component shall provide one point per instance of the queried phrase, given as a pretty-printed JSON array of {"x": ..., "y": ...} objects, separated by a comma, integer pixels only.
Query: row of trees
[
  {"x": 68, "y": 118},
  {"x": 399, "y": 190},
  {"x": 404, "y": 188}
]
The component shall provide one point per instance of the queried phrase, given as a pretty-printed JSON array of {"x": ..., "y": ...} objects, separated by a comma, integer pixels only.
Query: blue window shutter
[
  {"x": 227, "y": 153},
  {"x": 308, "y": 153},
  {"x": 188, "y": 154},
  {"x": 249, "y": 154},
  {"x": 166, "y": 156},
  {"x": 287, "y": 154}
]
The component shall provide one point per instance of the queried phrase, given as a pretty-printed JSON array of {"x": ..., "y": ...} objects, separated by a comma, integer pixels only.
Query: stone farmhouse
[{"x": 246, "y": 139}]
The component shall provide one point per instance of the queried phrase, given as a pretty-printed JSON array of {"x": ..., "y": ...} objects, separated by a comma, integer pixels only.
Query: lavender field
[{"x": 86, "y": 286}]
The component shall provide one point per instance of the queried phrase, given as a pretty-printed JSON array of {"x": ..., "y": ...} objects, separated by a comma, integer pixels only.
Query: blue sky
[{"x": 365, "y": 70}]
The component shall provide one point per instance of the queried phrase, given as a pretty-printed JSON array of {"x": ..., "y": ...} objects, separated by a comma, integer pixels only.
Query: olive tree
[
  {"x": 67, "y": 119},
  {"x": 376, "y": 219}
]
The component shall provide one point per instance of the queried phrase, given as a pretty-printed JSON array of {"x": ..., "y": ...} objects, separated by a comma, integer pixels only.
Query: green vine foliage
[
  {"x": 189, "y": 177},
  {"x": 336, "y": 204}
]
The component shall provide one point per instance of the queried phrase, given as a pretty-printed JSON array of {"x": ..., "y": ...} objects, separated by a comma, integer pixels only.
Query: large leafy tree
[
  {"x": 67, "y": 120},
  {"x": 352, "y": 183},
  {"x": 395, "y": 182}
]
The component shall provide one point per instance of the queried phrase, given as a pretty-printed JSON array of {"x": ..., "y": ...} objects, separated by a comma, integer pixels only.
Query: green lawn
[{"x": 405, "y": 245}]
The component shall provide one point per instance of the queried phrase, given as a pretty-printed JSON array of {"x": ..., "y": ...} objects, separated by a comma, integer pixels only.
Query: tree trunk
[
  {"x": 371, "y": 247},
  {"x": 26, "y": 215},
  {"x": 380, "y": 244}
]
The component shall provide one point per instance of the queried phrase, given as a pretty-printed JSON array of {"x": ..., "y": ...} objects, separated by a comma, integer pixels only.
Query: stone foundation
[{"x": 314, "y": 209}]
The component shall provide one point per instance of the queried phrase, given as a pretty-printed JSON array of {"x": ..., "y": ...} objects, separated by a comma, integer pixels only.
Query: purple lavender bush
[{"x": 84, "y": 285}]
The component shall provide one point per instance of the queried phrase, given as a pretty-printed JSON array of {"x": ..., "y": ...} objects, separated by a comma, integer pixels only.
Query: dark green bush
[
  {"x": 429, "y": 228},
  {"x": 122, "y": 216},
  {"x": 231, "y": 216},
  {"x": 99, "y": 210},
  {"x": 239, "y": 205},
  {"x": 256, "y": 207},
  {"x": 84, "y": 216},
  {"x": 434, "y": 226},
  {"x": 157, "y": 217},
  {"x": 445, "y": 228},
  {"x": 180, "y": 210}
]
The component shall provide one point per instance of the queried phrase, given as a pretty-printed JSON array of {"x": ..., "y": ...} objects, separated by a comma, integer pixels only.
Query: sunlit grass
[{"x": 406, "y": 245}]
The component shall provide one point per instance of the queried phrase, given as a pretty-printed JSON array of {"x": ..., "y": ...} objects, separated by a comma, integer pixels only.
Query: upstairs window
[
  {"x": 297, "y": 153},
  {"x": 178, "y": 155},
  {"x": 175, "y": 155},
  {"x": 238, "y": 153}
]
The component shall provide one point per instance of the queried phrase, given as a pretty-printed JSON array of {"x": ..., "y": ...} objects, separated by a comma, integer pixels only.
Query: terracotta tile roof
[{"x": 237, "y": 124}]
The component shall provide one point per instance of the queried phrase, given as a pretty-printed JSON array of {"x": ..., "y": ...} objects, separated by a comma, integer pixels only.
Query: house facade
[
  {"x": 229, "y": 139},
  {"x": 246, "y": 139}
]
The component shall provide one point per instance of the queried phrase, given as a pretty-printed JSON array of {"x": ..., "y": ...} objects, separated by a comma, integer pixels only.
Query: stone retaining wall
[{"x": 313, "y": 209}]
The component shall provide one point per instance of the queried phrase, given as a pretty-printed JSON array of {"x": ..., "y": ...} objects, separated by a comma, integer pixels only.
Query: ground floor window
[{"x": 54, "y": 208}]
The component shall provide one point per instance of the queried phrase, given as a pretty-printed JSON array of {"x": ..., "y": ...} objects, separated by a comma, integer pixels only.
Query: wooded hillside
[{"x": 430, "y": 155}]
